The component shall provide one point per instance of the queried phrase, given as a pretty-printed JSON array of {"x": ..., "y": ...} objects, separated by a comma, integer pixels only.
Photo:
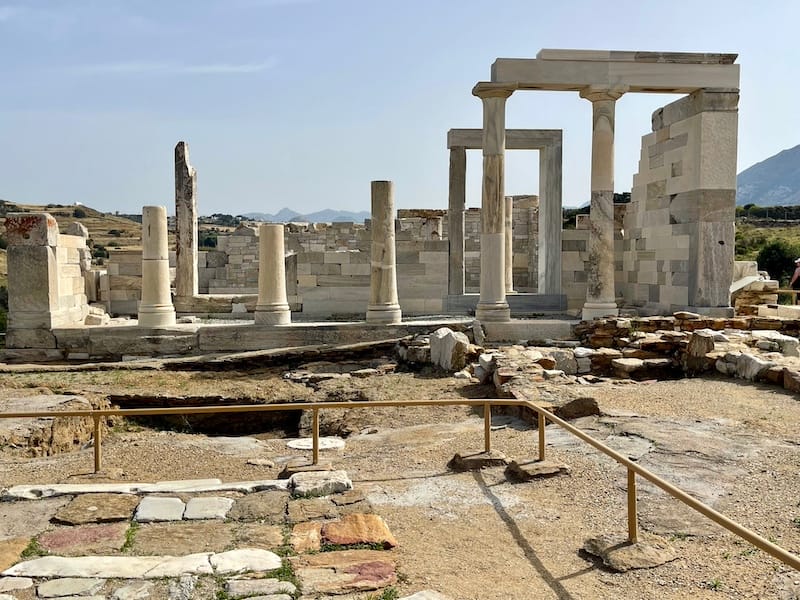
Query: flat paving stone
[
  {"x": 247, "y": 559},
  {"x": 325, "y": 443},
  {"x": 306, "y": 537},
  {"x": 319, "y": 483},
  {"x": 358, "y": 529},
  {"x": 245, "y": 588},
  {"x": 262, "y": 506},
  {"x": 97, "y": 508},
  {"x": 179, "y": 538},
  {"x": 532, "y": 469},
  {"x": 426, "y": 595},
  {"x": 133, "y": 591},
  {"x": 113, "y": 567},
  {"x": 183, "y": 588},
  {"x": 10, "y": 584},
  {"x": 159, "y": 509},
  {"x": 11, "y": 549},
  {"x": 69, "y": 586},
  {"x": 311, "y": 509},
  {"x": 259, "y": 535},
  {"x": 344, "y": 572},
  {"x": 27, "y": 519},
  {"x": 620, "y": 555},
  {"x": 207, "y": 507},
  {"x": 476, "y": 461},
  {"x": 83, "y": 540}
]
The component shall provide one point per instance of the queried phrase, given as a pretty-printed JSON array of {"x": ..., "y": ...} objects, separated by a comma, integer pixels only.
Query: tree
[
  {"x": 79, "y": 213},
  {"x": 777, "y": 258}
]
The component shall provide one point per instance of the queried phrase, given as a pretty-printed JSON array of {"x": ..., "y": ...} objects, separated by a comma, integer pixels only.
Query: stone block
[{"x": 31, "y": 229}]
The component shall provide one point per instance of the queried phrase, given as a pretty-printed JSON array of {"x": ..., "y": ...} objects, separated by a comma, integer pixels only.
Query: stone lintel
[
  {"x": 686, "y": 58},
  {"x": 638, "y": 76},
  {"x": 705, "y": 100},
  {"x": 516, "y": 139}
]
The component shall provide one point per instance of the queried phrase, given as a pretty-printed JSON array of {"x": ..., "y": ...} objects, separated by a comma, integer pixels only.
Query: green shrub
[
  {"x": 777, "y": 258},
  {"x": 79, "y": 213}
]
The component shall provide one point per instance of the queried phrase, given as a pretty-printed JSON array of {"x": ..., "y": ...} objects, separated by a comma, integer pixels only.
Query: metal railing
[{"x": 543, "y": 416}]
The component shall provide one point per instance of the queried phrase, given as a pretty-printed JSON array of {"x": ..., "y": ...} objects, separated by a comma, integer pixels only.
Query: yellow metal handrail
[{"x": 543, "y": 415}]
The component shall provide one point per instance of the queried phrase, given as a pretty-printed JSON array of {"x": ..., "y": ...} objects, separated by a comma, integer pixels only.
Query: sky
[{"x": 301, "y": 103}]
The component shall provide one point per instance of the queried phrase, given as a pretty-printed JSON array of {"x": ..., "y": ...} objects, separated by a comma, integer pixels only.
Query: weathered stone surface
[
  {"x": 83, "y": 540},
  {"x": 113, "y": 567},
  {"x": 477, "y": 460},
  {"x": 183, "y": 588},
  {"x": 787, "y": 344},
  {"x": 31, "y": 229},
  {"x": 700, "y": 343},
  {"x": 242, "y": 588},
  {"x": 620, "y": 555},
  {"x": 262, "y": 506},
  {"x": 97, "y": 508},
  {"x": 319, "y": 483},
  {"x": 532, "y": 469},
  {"x": 46, "y": 436},
  {"x": 306, "y": 537},
  {"x": 153, "y": 508},
  {"x": 344, "y": 572},
  {"x": 449, "y": 349},
  {"x": 183, "y": 538},
  {"x": 26, "y": 519},
  {"x": 303, "y": 465},
  {"x": 750, "y": 367},
  {"x": 10, "y": 550},
  {"x": 133, "y": 591},
  {"x": 791, "y": 380},
  {"x": 358, "y": 529},
  {"x": 207, "y": 507},
  {"x": 325, "y": 443},
  {"x": 246, "y": 559},
  {"x": 310, "y": 509},
  {"x": 426, "y": 595},
  {"x": 69, "y": 586},
  {"x": 259, "y": 535},
  {"x": 10, "y": 584}
]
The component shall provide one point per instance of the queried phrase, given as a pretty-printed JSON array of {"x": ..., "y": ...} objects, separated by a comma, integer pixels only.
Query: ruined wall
[{"x": 679, "y": 229}]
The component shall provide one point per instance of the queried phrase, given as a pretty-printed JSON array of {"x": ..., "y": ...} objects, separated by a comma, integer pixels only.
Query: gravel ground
[{"x": 474, "y": 535}]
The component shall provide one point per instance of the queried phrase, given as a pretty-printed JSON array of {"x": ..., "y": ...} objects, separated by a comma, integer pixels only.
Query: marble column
[
  {"x": 185, "y": 224},
  {"x": 383, "y": 304},
  {"x": 600, "y": 295},
  {"x": 155, "y": 308},
  {"x": 508, "y": 226},
  {"x": 455, "y": 214},
  {"x": 272, "y": 307},
  {"x": 550, "y": 219},
  {"x": 492, "y": 305}
]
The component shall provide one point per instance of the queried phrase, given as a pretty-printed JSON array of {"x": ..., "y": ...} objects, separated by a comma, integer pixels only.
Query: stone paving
[{"x": 136, "y": 541}]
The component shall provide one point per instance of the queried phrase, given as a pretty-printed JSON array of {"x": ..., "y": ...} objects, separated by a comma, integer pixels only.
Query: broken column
[
  {"x": 508, "y": 226},
  {"x": 455, "y": 214},
  {"x": 383, "y": 304},
  {"x": 600, "y": 294},
  {"x": 185, "y": 224},
  {"x": 155, "y": 308},
  {"x": 492, "y": 305},
  {"x": 272, "y": 307}
]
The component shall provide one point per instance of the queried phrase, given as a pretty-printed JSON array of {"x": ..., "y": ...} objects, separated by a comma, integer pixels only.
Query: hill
[
  {"x": 321, "y": 216},
  {"x": 772, "y": 182}
]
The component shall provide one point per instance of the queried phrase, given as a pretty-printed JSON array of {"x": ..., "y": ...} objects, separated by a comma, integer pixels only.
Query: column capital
[
  {"x": 486, "y": 89},
  {"x": 594, "y": 93}
]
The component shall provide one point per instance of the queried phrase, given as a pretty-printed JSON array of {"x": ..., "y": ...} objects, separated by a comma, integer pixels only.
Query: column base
[
  {"x": 156, "y": 316},
  {"x": 598, "y": 310},
  {"x": 493, "y": 312},
  {"x": 272, "y": 314},
  {"x": 384, "y": 314}
]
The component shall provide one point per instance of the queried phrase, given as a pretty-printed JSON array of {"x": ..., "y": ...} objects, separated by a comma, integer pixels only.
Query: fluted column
[
  {"x": 600, "y": 296},
  {"x": 492, "y": 305},
  {"x": 455, "y": 214},
  {"x": 508, "y": 226},
  {"x": 155, "y": 308},
  {"x": 272, "y": 307},
  {"x": 383, "y": 304},
  {"x": 185, "y": 224}
]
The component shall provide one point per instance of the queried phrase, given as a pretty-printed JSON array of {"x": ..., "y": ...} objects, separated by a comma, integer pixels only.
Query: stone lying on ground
[
  {"x": 69, "y": 586},
  {"x": 10, "y": 584},
  {"x": 344, "y": 572},
  {"x": 786, "y": 344},
  {"x": 306, "y": 537},
  {"x": 319, "y": 483},
  {"x": 179, "y": 537},
  {"x": 247, "y": 559},
  {"x": 139, "y": 590},
  {"x": 426, "y": 595},
  {"x": 263, "y": 506},
  {"x": 153, "y": 508},
  {"x": 531, "y": 469},
  {"x": 245, "y": 588},
  {"x": 449, "y": 349},
  {"x": 97, "y": 508},
  {"x": 325, "y": 443},
  {"x": 259, "y": 535},
  {"x": 310, "y": 509},
  {"x": 620, "y": 555},
  {"x": 207, "y": 507},
  {"x": 356, "y": 529},
  {"x": 46, "y": 436},
  {"x": 82, "y": 540},
  {"x": 303, "y": 465},
  {"x": 477, "y": 460}
]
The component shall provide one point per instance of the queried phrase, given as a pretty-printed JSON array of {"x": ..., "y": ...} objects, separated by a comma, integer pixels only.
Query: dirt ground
[{"x": 476, "y": 535}]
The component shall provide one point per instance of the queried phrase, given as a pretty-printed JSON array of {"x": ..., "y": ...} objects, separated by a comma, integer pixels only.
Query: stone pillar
[
  {"x": 492, "y": 305},
  {"x": 600, "y": 295},
  {"x": 155, "y": 309},
  {"x": 508, "y": 225},
  {"x": 550, "y": 218},
  {"x": 185, "y": 224},
  {"x": 272, "y": 307},
  {"x": 383, "y": 304},
  {"x": 456, "y": 205}
]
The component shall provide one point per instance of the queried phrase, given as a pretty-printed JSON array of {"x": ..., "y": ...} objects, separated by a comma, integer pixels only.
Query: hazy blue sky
[{"x": 301, "y": 103}]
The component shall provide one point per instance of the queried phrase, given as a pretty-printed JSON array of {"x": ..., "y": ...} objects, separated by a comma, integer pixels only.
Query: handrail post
[
  {"x": 487, "y": 428},
  {"x": 98, "y": 441},
  {"x": 633, "y": 526},
  {"x": 541, "y": 434},
  {"x": 315, "y": 436}
]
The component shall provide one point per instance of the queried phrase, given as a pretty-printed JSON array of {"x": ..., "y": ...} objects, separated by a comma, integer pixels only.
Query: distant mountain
[
  {"x": 322, "y": 216},
  {"x": 772, "y": 182}
]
